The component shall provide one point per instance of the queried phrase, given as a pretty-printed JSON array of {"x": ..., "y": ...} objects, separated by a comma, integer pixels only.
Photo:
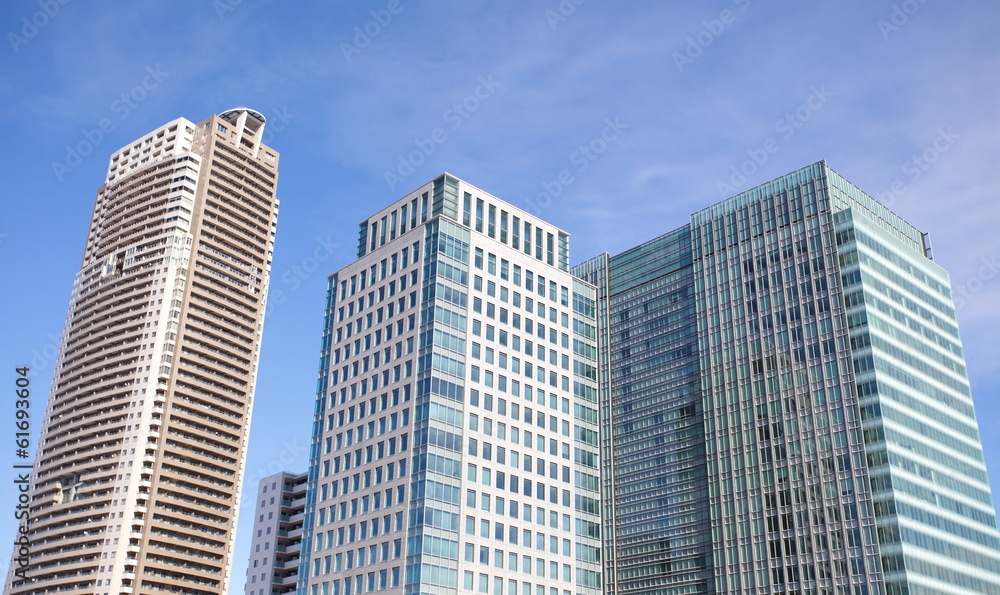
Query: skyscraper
[
  {"x": 275, "y": 548},
  {"x": 136, "y": 479},
  {"x": 934, "y": 510},
  {"x": 780, "y": 394},
  {"x": 792, "y": 353},
  {"x": 657, "y": 534},
  {"x": 455, "y": 429},
  {"x": 791, "y": 505}
]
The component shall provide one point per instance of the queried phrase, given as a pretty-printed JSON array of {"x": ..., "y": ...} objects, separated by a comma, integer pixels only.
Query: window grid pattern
[
  {"x": 791, "y": 505},
  {"x": 436, "y": 480},
  {"x": 354, "y": 525},
  {"x": 934, "y": 510},
  {"x": 657, "y": 530},
  {"x": 493, "y": 356}
]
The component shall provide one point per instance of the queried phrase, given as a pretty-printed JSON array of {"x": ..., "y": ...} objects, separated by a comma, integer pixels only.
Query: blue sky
[{"x": 614, "y": 121}]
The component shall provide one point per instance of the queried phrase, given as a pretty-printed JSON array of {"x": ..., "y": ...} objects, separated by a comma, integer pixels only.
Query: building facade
[
  {"x": 140, "y": 460},
  {"x": 789, "y": 491},
  {"x": 455, "y": 431},
  {"x": 273, "y": 567},
  {"x": 934, "y": 510},
  {"x": 657, "y": 534},
  {"x": 785, "y": 406}
]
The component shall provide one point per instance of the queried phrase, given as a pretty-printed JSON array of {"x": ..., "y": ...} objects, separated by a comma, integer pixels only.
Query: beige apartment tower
[{"x": 137, "y": 476}]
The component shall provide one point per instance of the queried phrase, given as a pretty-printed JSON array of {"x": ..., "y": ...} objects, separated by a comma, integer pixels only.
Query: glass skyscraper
[
  {"x": 785, "y": 405},
  {"x": 655, "y": 496},
  {"x": 771, "y": 398},
  {"x": 934, "y": 511},
  {"x": 789, "y": 489}
]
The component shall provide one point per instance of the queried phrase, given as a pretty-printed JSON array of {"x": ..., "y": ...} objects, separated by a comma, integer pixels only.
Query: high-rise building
[
  {"x": 784, "y": 388},
  {"x": 783, "y": 406},
  {"x": 657, "y": 534},
  {"x": 934, "y": 511},
  {"x": 273, "y": 567},
  {"x": 455, "y": 431},
  {"x": 140, "y": 460}
]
